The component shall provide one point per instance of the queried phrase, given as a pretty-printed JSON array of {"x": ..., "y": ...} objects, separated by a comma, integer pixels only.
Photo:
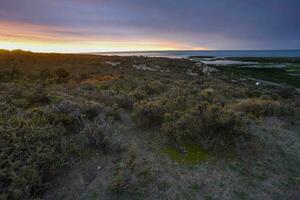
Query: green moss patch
[{"x": 194, "y": 155}]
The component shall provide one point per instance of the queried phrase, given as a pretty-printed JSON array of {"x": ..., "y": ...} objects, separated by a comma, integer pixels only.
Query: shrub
[
  {"x": 286, "y": 92},
  {"x": 45, "y": 74},
  {"x": 37, "y": 96},
  {"x": 212, "y": 127},
  {"x": 124, "y": 101},
  {"x": 9, "y": 75},
  {"x": 149, "y": 113},
  {"x": 102, "y": 133},
  {"x": 138, "y": 94},
  {"x": 30, "y": 152},
  {"x": 61, "y": 74},
  {"x": 262, "y": 107},
  {"x": 180, "y": 127},
  {"x": 110, "y": 97},
  {"x": 69, "y": 114},
  {"x": 132, "y": 175},
  {"x": 220, "y": 127},
  {"x": 208, "y": 94}
]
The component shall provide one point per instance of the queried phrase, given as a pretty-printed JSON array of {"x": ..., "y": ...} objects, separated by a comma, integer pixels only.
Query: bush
[
  {"x": 212, "y": 127},
  {"x": 102, "y": 133},
  {"x": 262, "y": 107},
  {"x": 9, "y": 75},
  {"x": 37, "y": 97},
  {"x": 69, "y": 114},
  {"x": 149, "y": 113},
  {"x": 30, "y": 152},
  {"x": 110, "y": 97},
  {"x": 286, "y": 92},
  {"x": 138, "y": 94},
  {"x": 180, "y": 127},
  {"x": 45, "y": 74},
  {"x": 132, "y": 175},
  {"x": 61, "y": 74},
  {"x": 208, "y": 95}
]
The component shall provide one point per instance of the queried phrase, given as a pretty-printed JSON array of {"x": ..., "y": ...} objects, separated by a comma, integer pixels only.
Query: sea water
[{"x": 213, "y": 53}]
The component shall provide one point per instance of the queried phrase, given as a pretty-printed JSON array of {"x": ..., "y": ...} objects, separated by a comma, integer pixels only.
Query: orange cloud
[{"x": 17, "y": 35}]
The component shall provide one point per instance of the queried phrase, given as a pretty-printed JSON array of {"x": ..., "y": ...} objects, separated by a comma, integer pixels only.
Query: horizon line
[{"x": 153, "y": 51}]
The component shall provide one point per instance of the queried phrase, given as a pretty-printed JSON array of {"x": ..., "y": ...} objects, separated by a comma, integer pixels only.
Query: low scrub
[
  {"x": 132, "y": 175},
  {"x": 9, "y": 75},
  {"x": 149, "y": 113},
  {"x": 212, "y": 127},
  {"x": 262, "y": 107},
  {"x": 61, "y": 75},
  {"x": 102, "y": 133},
  {"x": 30, "y": 152}
]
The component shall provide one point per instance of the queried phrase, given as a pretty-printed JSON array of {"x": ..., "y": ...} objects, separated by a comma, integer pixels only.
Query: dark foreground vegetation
[{"x": 100, "y": 127}]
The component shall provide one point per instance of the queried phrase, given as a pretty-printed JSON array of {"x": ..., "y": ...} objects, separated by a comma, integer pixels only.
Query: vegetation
[
  {"x": 93, "y": 127},
  {"x": 277, "y": 75},
  {"x": 295, "y": 60}
]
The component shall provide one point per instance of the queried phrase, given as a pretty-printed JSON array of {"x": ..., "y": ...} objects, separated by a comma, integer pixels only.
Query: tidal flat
[
  {"x": 110, "y": 127},
  {"x": 279, "y": 70}
]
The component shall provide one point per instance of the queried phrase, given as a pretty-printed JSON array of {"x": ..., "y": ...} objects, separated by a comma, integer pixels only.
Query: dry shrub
[{"x": 262, "y": 107}]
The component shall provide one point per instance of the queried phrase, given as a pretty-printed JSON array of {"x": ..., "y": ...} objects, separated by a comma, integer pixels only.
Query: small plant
[
  {"x": 102, "y": 133},
  {"x": 37, "y": 96},
  {"x": 208, "y": 94},
  {"x": 132, "y": 175},
  {"x": 148, "y": 114},
  {"x": 61, "y": 74}
]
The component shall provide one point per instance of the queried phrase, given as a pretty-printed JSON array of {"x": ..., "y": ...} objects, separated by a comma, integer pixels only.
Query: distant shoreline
[{"x": 206, "y": 53}]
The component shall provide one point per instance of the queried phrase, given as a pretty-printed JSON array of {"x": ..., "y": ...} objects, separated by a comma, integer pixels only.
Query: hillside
[{"x": 108, "y": 127}]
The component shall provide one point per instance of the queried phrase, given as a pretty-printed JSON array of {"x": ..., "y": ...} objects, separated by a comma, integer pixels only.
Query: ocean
[{"x": 214, "y": 53}]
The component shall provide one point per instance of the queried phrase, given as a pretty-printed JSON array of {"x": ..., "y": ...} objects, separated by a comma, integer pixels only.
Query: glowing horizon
[{"x": 38, "y": 38}]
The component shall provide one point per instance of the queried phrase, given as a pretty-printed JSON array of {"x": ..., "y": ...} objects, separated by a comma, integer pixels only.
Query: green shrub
[
  {"x": 30, "y": 152},
  {"x": 138, "y": 94},
  {"x": 132, "y": 175},
  {"x": 262, "y": 107},
  {"x": 110, "y": 97},
  {"x": 208, "y": 95},
  {"x": 220, "y": 127},
  {"x": 149, "y": 113},
  {"x": 180, "y": 127},
  {"x": 212, "y": 127},
  {"x": 69, "y": 113},
  {"x": 36, "y": 97},
  {"x": 102, "y": 133}
]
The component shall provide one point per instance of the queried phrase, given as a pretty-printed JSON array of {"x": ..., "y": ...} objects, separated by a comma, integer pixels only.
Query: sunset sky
[{"x": 132, "y": 25}]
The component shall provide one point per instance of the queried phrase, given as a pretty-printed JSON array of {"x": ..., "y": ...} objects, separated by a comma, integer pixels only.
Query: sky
[{"x": 137, "y": 25}]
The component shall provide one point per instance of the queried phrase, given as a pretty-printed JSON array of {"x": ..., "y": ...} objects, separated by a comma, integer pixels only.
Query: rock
[
  {"x": 112, "y": 63},
  {"x": 204, "y": 68}
]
